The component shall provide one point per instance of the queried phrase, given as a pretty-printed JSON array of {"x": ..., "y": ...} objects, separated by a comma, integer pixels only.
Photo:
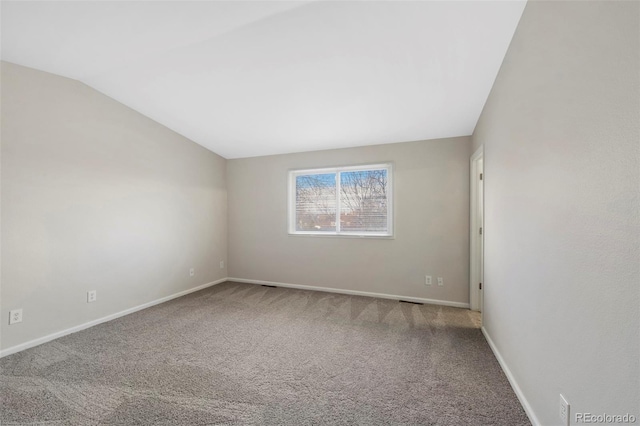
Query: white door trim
[{"x": 475, "y": 238}]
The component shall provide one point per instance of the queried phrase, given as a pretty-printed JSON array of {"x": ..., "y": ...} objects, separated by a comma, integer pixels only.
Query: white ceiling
[{"x": 258, "y": 78}]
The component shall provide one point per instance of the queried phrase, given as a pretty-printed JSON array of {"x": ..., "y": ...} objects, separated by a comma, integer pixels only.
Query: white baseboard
[
  {"x": 58, "y": 334},
  {"x": 50, "y": 337},
  {"x": 523, "y": 400},
  {"x": 355, "y": 292}
]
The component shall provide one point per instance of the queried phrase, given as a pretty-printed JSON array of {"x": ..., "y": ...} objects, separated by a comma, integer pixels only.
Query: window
[{"x": 341, "y": 201}]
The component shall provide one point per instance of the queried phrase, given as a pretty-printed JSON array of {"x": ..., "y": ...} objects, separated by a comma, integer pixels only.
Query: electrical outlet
[
  {"x": 440, "y": 281},
  {"x": 222, "y": 264},
  {"x": 192, "y": 272},
  {"x": 564, "y": 411},
  {"x": 92, "y": 296},
  {"x": 15, "y": 316},
  {"x": 427, "y": 280}
]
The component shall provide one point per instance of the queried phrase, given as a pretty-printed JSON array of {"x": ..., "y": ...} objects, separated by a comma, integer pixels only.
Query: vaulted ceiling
[{"x": 256, "y": 78}]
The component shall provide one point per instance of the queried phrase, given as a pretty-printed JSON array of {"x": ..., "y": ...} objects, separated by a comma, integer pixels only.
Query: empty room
[{"x": 320, "y": 212}]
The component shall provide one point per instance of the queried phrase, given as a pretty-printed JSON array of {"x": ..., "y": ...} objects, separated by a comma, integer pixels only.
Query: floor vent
[
  {"x": 272, "y": 286},
  {"x": 414, "y": 303}
]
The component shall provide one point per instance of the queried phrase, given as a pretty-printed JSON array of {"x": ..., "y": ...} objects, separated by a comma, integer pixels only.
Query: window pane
[
  {"x": 316, "y": 202},
  {"x": 363, "y": 201}
]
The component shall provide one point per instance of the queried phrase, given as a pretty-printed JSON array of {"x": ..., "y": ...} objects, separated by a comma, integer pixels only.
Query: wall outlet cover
[
  {"x": 565, "y": 410},
  {"x": 15, "y": 316}
]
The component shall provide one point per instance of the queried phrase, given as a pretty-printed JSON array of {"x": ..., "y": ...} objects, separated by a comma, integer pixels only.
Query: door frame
[{"x": 475, "y": 239}]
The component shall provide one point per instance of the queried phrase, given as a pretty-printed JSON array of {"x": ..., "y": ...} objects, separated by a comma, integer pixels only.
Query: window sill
[{"x": 335, "y": 235}]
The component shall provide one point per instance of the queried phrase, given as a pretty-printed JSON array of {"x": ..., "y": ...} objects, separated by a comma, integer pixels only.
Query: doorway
[{"x": 476, "y": 267}]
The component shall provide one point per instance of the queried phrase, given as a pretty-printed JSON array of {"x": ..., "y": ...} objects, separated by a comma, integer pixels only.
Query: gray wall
[
  {"x": 431, "y": 182},
  {"x": 97, "y": 196},
  {"x": 562, "y": 160}
]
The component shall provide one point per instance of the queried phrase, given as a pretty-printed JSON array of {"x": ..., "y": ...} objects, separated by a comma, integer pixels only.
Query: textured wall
[
  {"x": 562, "y": 160},
  {"x": 97, "y": 196},
  {"x": 431, "y": 182}
]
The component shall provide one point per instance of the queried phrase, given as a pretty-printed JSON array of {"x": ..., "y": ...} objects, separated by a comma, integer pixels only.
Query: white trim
[
  {"x": 75, "y": 329},
  {"x": 354, "y": 292},
  {"x": 512, "y": 380},
  {"x": 324, "y": 170},
  {"x": 58, "y": 334},
  {"x": 474, "y": 272},
  {"x": 342, "y": 235},
  {"x": 338, "y": 203}
]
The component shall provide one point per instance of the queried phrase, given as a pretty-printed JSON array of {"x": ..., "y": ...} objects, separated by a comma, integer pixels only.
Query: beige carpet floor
[{"x": 247, "y": 354}]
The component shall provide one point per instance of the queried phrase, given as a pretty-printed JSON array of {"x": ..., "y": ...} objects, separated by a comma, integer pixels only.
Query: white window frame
[{"x": 293, "y": 174}]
